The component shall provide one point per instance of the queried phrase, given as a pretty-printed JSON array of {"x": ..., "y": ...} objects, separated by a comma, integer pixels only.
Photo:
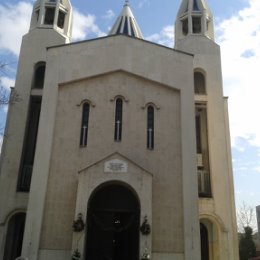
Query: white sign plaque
[{"x": 115, "y": 165}]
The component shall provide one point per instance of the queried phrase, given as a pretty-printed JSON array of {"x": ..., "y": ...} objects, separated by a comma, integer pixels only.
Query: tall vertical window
[
  {"x": 84, "y": 125},
  {"x": 196, "y": 24},
  {"x": 202, "y": 150},
  {"x": 185, "y": 26},
  {"x": 199, "y": 83},
  {"x": 39, "y": 74},
  {"x": 118, "y": 120},
  {"x": 29, "y": 145},
  {"x": 61, "y": 19},
  {"x": 150, "y": 127},
  {"x": 49, "y": 15}
]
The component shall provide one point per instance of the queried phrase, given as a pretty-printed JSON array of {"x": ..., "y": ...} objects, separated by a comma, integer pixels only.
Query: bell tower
[
  {"x": 194, "y": 33},
  {"x": 52, "y": 14},
  {"x": 194, "y": 18},
  {"x": 51, "y": 23}
]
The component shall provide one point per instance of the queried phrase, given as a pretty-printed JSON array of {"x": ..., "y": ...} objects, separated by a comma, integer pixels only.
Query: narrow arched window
[
  {"x": 39, "y": 74},
  {"x": 84, "y": 125},
  {"x": 150, "y": 127},
  {"x": 199, "y": 83},
  {"x": 118, "y": 120}
]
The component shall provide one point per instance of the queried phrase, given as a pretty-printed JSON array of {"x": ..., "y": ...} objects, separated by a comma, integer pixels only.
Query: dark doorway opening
[
  {"x": 14, "y": 236},
  {"x": 113, "y": 224},
  {"x": 204, "y": 242}
]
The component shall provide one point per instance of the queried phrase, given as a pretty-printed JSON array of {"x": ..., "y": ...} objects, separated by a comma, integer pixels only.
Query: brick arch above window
[
  {"x": 82, "y": 102},
  {"x": 119, "y": 96},
  {"x": 151, "y": 104}
]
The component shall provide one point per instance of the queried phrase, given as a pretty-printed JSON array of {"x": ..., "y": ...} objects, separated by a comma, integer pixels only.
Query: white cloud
[
  {"x": 15, "y": 21},
  {"x": 239, "y": 37},
  {"x": 83, "y": 25},
  {"x": 165, "y": 37},
  {"x": 109, "y": 14},
  {"x": 7, "y": 82}
]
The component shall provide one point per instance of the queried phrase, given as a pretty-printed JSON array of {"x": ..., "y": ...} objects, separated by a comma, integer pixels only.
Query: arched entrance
[
  {"x": 14, "y": 236},
  {"x": 113, "y": 224},
  {"x": 204, "y": 242}
]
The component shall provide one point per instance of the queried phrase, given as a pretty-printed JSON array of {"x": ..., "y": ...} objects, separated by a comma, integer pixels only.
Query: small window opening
[
  {"x": 49, "y": 16},
  {"x": 118, "y": 120},
  {"x": 84, "y": 125},
  {"x": 126, "y": 27},
  {"x": 195, "y": 6},
  {"x": 185, "y": 26},
  {"x": 37, "y": 15},
  {"x": 150, "y": 127},
  {"x": 119, "y": 27},
  {"x": 39, "y": 75},
  {"x": 61, "y": 19},
  {"x": 196, "y": 24},
  {"x": 199, "y": 83}
]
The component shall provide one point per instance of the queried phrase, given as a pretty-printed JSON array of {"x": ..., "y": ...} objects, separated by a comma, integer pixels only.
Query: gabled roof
[{"x": 126, "y": 24}]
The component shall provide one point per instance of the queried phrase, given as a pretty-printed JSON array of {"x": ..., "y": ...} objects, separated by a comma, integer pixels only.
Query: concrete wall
[
  {"x": 220, "y": 209},
  {"x": 98, "y": 71}
]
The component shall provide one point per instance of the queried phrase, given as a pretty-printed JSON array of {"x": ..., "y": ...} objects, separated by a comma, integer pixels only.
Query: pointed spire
[
  {"x": 194, "y": 18},
  {"x": 126, "y": 23}
]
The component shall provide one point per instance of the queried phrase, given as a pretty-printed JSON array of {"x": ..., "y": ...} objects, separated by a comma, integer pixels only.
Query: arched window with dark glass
[
  {"x": 84, "y": 125},
  {"x": 199, "y": 83},
  {"x": 118, "y": 119},
  {"x": 150, "y": 127},
  {"x": 14, "y": 236},
  {"x": 39, "y": 74}
]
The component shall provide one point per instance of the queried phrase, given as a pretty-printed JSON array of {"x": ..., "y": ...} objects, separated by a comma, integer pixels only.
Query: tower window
[
  {"x": 195, "y": 6},
  {"x": 84, "y": 125},
  {"x": 202, "y": 150},
  {"x": 199, "y": 83},
  {"x": 49, "y": 16},
  {"x": 118, "y": 120},
  {"x": 29, "y": 145},
  {"x": 150, "y": 127},
  {"x": 39, "y": 75},
  {"x": 196, "y": 24},
  {"x": 61, "y": 19},
  {"x": 185, "y": 26},
  {"x": 37, "y": 15}
]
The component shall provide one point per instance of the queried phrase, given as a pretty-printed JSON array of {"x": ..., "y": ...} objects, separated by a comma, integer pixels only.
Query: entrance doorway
[
  {"x": 204, "y": 242},
  {"x": 113, "y": 224},
  {"x": 14, "y": 236}
]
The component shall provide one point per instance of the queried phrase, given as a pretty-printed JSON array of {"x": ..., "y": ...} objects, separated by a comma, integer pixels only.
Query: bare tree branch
[{"x": 246, "y": 217}]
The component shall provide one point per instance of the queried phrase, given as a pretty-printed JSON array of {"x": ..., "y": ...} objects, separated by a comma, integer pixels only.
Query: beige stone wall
[
  {"x": 220, "y": 209},
  {"x": 68, "y": 158},
  {"x": 99, "y": 70}
]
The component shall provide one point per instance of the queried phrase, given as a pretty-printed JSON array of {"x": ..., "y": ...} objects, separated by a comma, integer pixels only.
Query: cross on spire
[{"x": 126, "y": 2}]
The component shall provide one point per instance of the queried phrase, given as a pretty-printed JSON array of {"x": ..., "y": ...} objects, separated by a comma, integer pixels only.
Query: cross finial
[{"x": 126, "y": 2}]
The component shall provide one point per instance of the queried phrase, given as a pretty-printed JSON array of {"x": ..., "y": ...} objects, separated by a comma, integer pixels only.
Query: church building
[{"x": 119, "y": 148}]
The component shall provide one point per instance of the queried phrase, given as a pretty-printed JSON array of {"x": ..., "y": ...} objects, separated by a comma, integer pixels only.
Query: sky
[{"x": 237, "y": 31}]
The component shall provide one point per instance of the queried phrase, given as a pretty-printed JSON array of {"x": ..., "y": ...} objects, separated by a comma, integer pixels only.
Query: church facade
[{"x": 118, "y": 148}]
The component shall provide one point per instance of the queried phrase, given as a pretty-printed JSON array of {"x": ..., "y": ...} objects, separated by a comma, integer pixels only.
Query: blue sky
[{"x": 237, "y": 30}]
